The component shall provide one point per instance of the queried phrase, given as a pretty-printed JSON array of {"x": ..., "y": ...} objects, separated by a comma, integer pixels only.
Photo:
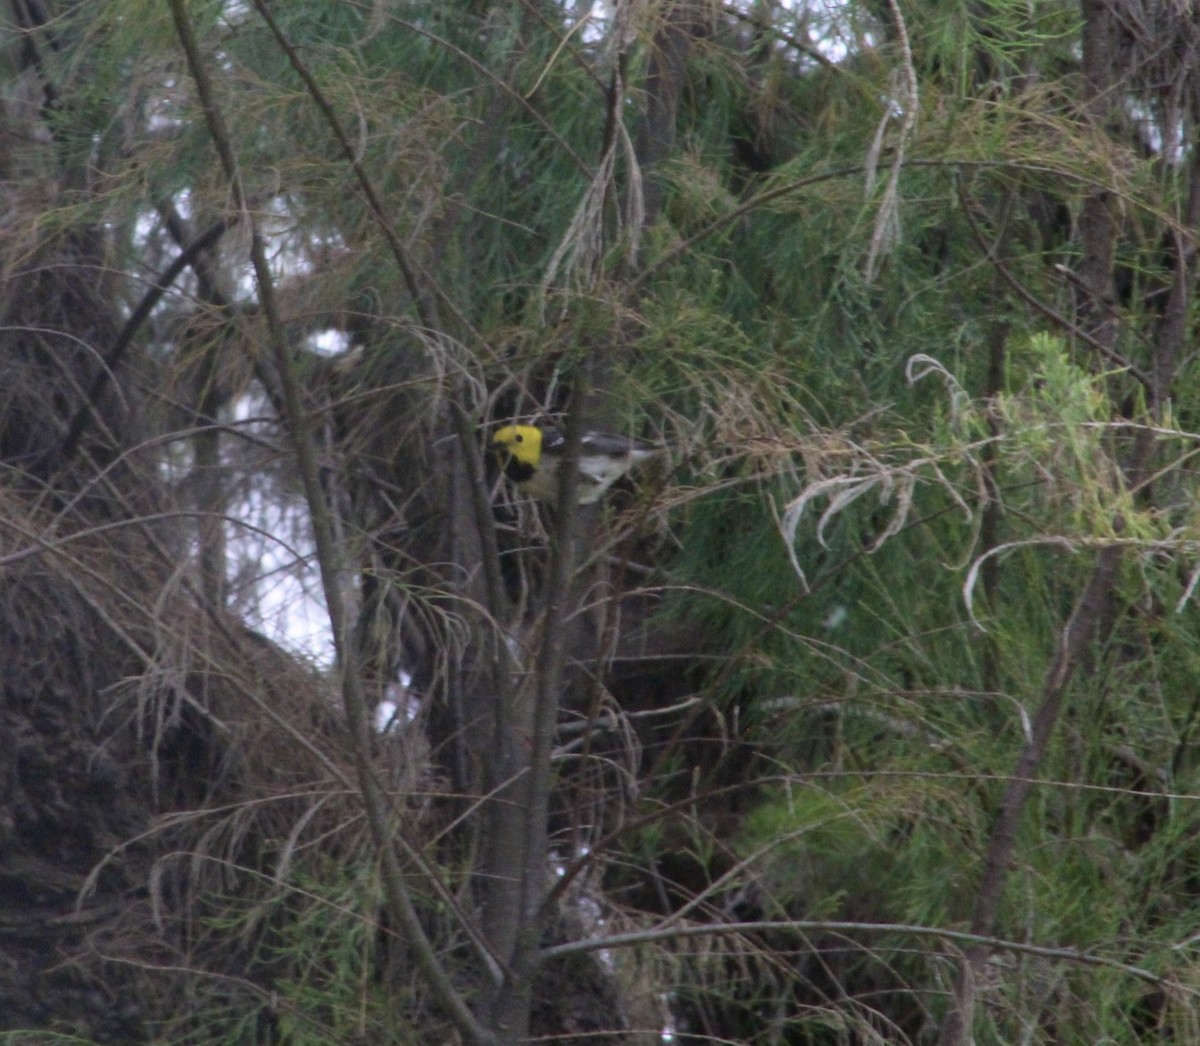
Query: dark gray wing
[
  {"x": 552, "y": 439},
  {"x": 596, "y": 443},
  {"x": 613, "y": 446}
]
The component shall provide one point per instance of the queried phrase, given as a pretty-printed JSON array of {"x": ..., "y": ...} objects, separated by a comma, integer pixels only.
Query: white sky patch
[
  {"x": 827, "y": 26},
  {"x": 329, "y": 342},
  {"x": 273, "y": 579},
  {"x": 274, "y": 583}
]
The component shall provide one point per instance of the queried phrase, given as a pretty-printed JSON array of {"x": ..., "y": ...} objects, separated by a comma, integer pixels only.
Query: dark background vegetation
[{"x": 869, "y": 716}]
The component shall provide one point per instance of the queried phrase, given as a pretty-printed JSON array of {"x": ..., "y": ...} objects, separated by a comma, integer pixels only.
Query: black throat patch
[{"x": 517, "y": 471}]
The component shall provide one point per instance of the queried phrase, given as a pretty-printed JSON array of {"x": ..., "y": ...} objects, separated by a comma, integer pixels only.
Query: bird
[{"x": 531, "y": 454}]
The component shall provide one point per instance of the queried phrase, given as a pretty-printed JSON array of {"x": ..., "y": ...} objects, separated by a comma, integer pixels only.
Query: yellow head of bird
[{"x": 523, "y": 443}]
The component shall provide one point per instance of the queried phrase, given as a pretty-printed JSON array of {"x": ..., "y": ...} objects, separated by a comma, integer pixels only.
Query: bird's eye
[{"x": 518, "y": 438}]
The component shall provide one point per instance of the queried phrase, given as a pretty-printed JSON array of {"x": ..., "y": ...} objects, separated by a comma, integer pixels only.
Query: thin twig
[
  {"x": 805, "y": 926},
  {"x": 116, "y": 352}
]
